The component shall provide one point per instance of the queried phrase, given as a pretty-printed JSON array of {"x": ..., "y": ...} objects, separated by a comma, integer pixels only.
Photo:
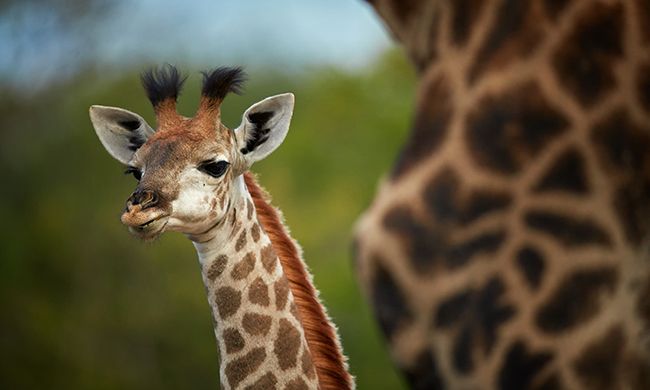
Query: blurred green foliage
[{"x": 86, "y": 306}]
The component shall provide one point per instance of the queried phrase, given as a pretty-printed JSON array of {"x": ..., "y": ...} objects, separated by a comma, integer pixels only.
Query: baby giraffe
[{"x": 271, "y": 329}]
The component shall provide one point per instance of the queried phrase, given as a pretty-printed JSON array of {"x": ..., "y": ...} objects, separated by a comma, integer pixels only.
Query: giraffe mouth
[
  {"x": 144, "y": 225},
  {"x": 151, "y": 229}
]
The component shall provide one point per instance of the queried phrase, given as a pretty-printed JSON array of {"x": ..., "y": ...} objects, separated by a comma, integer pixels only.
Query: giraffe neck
[
  {"x": 514, "y": 230},
  {"x": 258, "y": 330}
]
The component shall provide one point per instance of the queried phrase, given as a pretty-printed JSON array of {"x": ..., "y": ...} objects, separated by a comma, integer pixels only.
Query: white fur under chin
[{"x": 212, "y": 242}]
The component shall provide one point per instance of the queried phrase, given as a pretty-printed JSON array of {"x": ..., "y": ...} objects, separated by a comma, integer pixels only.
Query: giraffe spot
[
  {"x": 233, "y": 340},
  {"x": 623, "y": 150},
  {"x": 236, "y": 228},
  {"x": 233, "y": 218},
  {"x": 585, "y": 59},
  {"x": 521, "y": 366},
  {"x": 442, "y": 196},
  {"x": 643, "y": 303},
  {"x": 597, "y": 367},
  {"x": 569, "y": 231},
  {"x": 531, "y": 264},
  {"x": 553, "y": 8},
  {"x": 643, "y": 13},
  {"x": 423, "y": 244},
  {"x": 281, "y": 288},
  {"x": 306, "y": 363},
  {"x": 266, "y": 381},
  {"x": 427, "y": 246},
  {"x": 622, "y": 143},
  {"x": 244, "y": 267},
  {"x": 643, "y": 83},
  {"x": 423, "y": 54},
  {"x": 296, "y": 384},
  {"x": 576, "y": 300},
  {"x": 222, "y": 202},
  {"x": 481, "y": 203},
  {"x": 462, "y": 359},
  {"x": 391, "y": 309},
  {"x": 478, "y": 313},
  {"x": 458, "y": 255},
  {"x": 635, "y": 372},
  {"x": 464, "y": 15},
  {"x": 287, "y": 345},
  {"x": 452, "y": 309},
  {"x": 256, "y": 324},
  {"x": 249, "y": 209},
  {"x": 515, "y": 34},
  {"x": 507, "y": 131},
  {"x": 566, "y": 174},
  {"x": 632, "y": 209},
  {"x": 404, "y": 10},
  {"x": 429, "y": 128},
  {"x": 217, "y": 267},
  {"x": 258, "y": 292},
  {"x": 241, "y": 241},
  {"x": 227, "y": 300},
  {"x": 269, "y": 258},
  {"x": 424, "y": 373},
  {"x": 552, "y": 382},
  {"x": 255, "y": 232},
  {"x": 240, "y": 368}
]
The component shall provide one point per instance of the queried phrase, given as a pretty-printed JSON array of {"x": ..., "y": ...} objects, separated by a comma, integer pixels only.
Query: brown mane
[{"x": 331, "y": 366}]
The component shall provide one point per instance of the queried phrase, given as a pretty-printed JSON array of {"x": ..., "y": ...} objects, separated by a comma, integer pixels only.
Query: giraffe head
[{"x": 186, "y": 168}]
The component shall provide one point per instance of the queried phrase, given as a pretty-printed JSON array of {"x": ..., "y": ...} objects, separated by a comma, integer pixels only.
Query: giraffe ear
[
  {"x": 264, "y": 126},
  {"x": 121, "y": 132}
]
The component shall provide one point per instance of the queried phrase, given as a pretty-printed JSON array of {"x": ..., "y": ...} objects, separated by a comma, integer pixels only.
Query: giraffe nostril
[
  {"x": 148, "y": 198},
  {"x": 144, "y": 198}
]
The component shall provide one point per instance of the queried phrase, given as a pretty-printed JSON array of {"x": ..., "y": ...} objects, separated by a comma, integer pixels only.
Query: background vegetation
[{"x": 86, "y": 306}]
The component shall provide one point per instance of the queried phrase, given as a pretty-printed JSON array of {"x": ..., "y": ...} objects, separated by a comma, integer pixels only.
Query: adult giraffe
[
  {"x": 509, "y": 248},
  {"x": 272, "y": 330}
]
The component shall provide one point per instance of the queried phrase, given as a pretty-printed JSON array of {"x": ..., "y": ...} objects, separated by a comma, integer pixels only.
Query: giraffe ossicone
[{"x": 193, "y": 178}]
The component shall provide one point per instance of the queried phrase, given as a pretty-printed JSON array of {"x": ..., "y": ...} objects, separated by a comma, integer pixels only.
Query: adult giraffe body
[
  {"x": 509, "y": 248},
  {"x": 272, "y": 330}
]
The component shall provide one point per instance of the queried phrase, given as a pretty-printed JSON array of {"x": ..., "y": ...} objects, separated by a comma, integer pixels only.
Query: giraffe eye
[
  {"x": 133, "y": 171},
  {"x": 214, "y": 168}
]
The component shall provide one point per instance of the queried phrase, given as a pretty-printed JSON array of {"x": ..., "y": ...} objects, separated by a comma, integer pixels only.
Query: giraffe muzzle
[{"x": 143, "y": 214}]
